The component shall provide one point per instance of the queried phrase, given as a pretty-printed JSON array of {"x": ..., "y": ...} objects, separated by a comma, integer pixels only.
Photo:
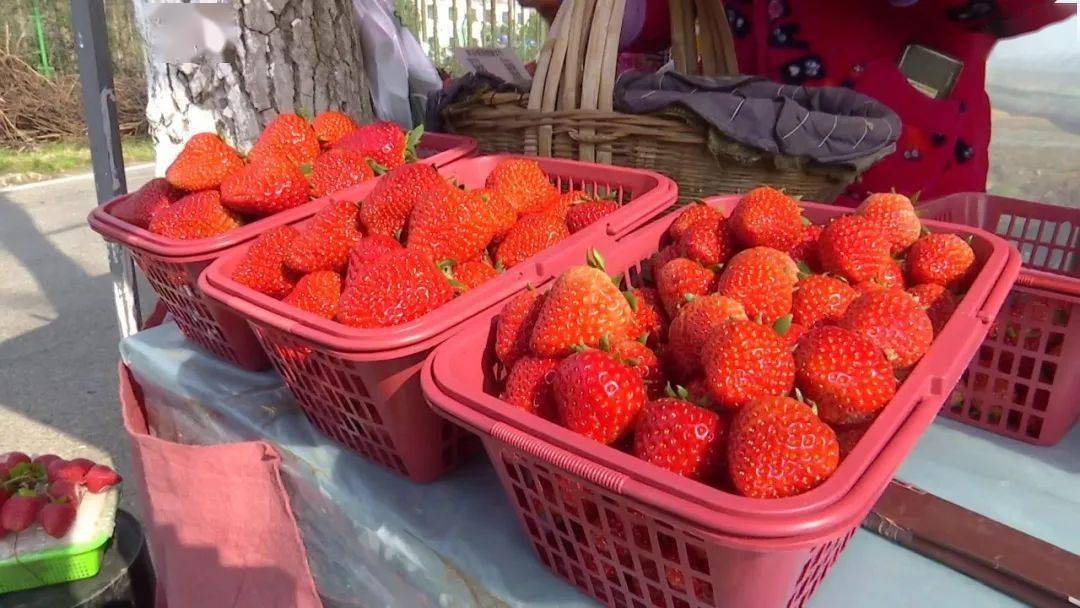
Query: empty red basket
[
  {"x": 1023, "y": 383},
  {"x": 172, "y": 266},
  {"x": 361, "y": 387},
  {"x": 631, "y": 534}
]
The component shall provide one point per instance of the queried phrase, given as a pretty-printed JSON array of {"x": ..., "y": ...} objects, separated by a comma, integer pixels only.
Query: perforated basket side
[{"x": 52, "y": 567}]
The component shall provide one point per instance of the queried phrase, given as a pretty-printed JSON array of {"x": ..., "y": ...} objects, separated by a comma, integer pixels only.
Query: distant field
[{"x": 1035, "y": 159}]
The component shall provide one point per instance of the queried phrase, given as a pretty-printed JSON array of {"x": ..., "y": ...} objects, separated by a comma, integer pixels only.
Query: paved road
[{"x": 58, "y": 332}]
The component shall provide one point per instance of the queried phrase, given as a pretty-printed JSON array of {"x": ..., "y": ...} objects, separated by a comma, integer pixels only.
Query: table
[{"x": 376, "y": 539}]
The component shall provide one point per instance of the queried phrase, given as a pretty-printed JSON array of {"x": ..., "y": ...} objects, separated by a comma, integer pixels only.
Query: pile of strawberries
[
  {"x": 210, "y": 189},
  {"x": 415, "y": 243},
  {"x": 47, "y": 490},
  {"x": 759, "y": 348}
]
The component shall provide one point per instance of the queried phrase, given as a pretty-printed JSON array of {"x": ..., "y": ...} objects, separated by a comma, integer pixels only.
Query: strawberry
[
  {"x": 820, "y": 299},
  {"x": 513, "y": 326},
  {"x": 11, "y": 459},
  {"x": 469, "y": 274},
  {"x": 889, "y": 275},
  {"x": 766, "y": 217},
  {"x": 582, "y": 307},
  {"x": 743, "y": 361},
  {"x": 529, "y": 386},
  {"x": 660, "y": 259},
  {"x": 844, "y": 374},
  {"x": 198, "y": 215},
  {"x": 70, "y": 470},
  {"x": 336, "y": 170},
  {"x": 763, "y": 280},
  {"x": 397, "y": 288},
  {"x": 777, "y": 447},
  {"x": 597, "y": 396},
  {"x": 683, "y": 438},
  {"x": 938, "y": 302},
  {"x": 894, "y": 322},
  {"x": 644, "y": 361},
  {"x": 365, "y": 252},
  {"x": 854, "y": 247},
  {"x": 139, "y": 207},
  {"x": 896, "y": 216},
  {"x": 450, "y": 224},
  {"x": 100, "y": 478},
  {"x": 64, "y": 489},
  {"x": 388, "y": 207},
  {"x": 331, "y": 125},
  {"x": 20, "y": 511},
  {"x": 263, "y": 266},
  {"x": 265, "y": 186},
  {"x": 325, "y": 241},
  {"x": 287, "y": 137},
  {"x": 383, "y": 142},
  {"x": 693, "y": 325},
  {"x": 942, "y": 259},
  {"x": 587, "y": 213},
  {"x": 203, "y": 163},
  {"x": 680, "y": 280},
  {"x": 692, "y": 214},
  {"x": 848, "y": 436},
  {"x": 43, "y": 459},
  {"x": 317, "y": 293},
  {"x": 649, "y": 317},
  {"x": 524, "y": 184},
  {"x": 56, "y": 518},
  {"x": 529, "y": 236},
  {"x": 708, "y": 242},
  {"x": 806, "y": 250}
]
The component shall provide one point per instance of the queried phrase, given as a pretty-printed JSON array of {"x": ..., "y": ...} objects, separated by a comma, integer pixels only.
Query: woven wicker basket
[{"x": 568, "y": 112}]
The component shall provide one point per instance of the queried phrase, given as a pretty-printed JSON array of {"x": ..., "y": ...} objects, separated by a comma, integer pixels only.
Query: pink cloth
[{"x": 220, "y": 527}]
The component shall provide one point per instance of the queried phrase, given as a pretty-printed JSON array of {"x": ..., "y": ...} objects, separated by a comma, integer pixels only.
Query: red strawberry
[
  {"x": 763, "y": 280},
  {"x": 890, "y": 275},
  {"x": 597, "y": 396},
  {"x": 366, "y": 251},
  {"x": 513, "y": 326},
  {"x": 331, "y": 125},
  {"x": 529, "y": 386},
  {"x": 693, "y": 325},
  {"x": 100, "y": 478},
  {"x": 387, "y": 208},
  {"x": 383, "y": 142},
  {"x": 289, "y": 137},
  {"x": 324, "y": 242},
  {"x": 10, "y": 459},
  {"x": 844, "y": 374},
  {"x": 529, "y": 236},
  {"x": 399, "y": 287},
  {"x": 203, "y": 164},
  {"x": 449, "y": 224},
  {"x": 469, "y": 274},
  {"x": 56, "y": 518},
  {"x": 198, "y": 215},
  {"x": 942, "y": 259},
  {"x": 683, "y": 438},
  {"x": 894, "y": 322},
  {"x": 265, "y": 186},
  {"x": 708, "y": 242},
  {"x": 140, "y": 206},
  {"x": 263, "y": 266},
  {"x": 524, "y": 184},
  {"x": 855, "y": 248},
  {"x": 660, "y": 259},
  {"x": 336, "y": 170},
  {"x": 766, "y": 217},
  {"x": 806, "y": 250},
  {"x": 644, "y": 361},
  {"x": 20, "y": 511},
  {"x": 587, "y": 213},
  {"x": 681, "y": 279},
  {"x": 64, "y": 489},
  {"x": 848, "y": 436},
  {"x": 896, "y": 216},
  {"x": 71, "y": 470},
  {"x": 317, "y": 293},
  {"x": 43, "y": 459},
  {"x": 649, "y": 316},
  {"x": 582, "y": 307},
  {"x": 777, "y": 447},
  {"x": 692, "y": 214},
  {"x": 938, "y": 302},
  {"x": 743, "y": 361},
  {"x": 820, "y": 299}
]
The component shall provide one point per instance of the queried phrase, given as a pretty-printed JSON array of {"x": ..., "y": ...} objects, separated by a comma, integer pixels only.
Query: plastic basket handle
[{"x": 594, "y": 473}]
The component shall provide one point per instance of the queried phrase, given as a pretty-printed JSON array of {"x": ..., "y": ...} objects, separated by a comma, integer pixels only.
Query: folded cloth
[{"x": 460, "y": 89}]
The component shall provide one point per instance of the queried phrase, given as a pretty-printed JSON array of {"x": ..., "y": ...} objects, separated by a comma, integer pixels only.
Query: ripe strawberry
[
  {"x": 588, "y": 212},
  {"x": 680, "y": 280},
  {"x": 529, "y": 236},
  {"x": 896, "y": 216},
  {"x": 844, "y": 374},
  {"x": 365, "y": 252},
  {"x": 777, "y": 447},
  {"x": 529, "y": 386},
  {"x": 449, "y": 224},
  {"x": 56, "y": 518},
  {"x": 331, "y": 125},
  {"x": 806, "y": 250},
  {"x": 43, "y": 459},
  {"x": 198, "y": 215},
  {"x": 20, "y": 511},
  {"x": 894, "y": 322},
  {"x": 820, "y": 299},
  {"x": 64, "y": 489},
  {"x": 942, "y": 259},
  {"x": 649, "y": 316},
  {"x": 597, "y": 396},
  {"x": 855, "y": 248},
  {"x": 644, "y": 361},
  {"x": 660, "y": 259},
  {"x": 889, "y": 275},
  {"x": 524, "y": 184},
  {"x": 763, "y": 280},
  {"x": 317, "y": 293},
  {"x": 743, "y": 361},
  {"x": 325, "y": 241},
  {"x": 397, "y": 288},
  {"x": 383, "y": 142},
  {"x": 683, "y": 438},
  {"x": 265, "y": 186},
  {"x": 513, "y": 326},
  {"x": 263, "y": 266},
  {"x": 336, "y": 170},
  {"x": 766, "y": 217},
  {"x": 203, "y": 164},
  {"x": 140, "y": 206},
  {"x": 693, "y": 325},
  {"x": 387, "y": 209},
  {"x": 100, "y": 478},
  {"x": 692, "y": 214},
  {"x": 938, "y": 302},
  {"x": 70, "y": 470},
  {"x": 582, "y": 307},
  {"x": 288, "y": 137},
  {"x": 469, "y": 274},
  {"x": 11, "y": 459},
  {"x": 708, "y": 242},
  {"x": 848, "y": 436}
]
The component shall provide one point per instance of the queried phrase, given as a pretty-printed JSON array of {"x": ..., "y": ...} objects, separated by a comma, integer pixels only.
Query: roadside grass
[{"x": 18, "y": 165}]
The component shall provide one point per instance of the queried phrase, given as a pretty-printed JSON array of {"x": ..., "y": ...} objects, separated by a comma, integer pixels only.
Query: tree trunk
[{"x": 292, "y": 55}]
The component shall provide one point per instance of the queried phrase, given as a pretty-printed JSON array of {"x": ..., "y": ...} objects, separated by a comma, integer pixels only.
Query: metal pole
[
  {"x": 99, "y": 108},
  {"x": 43, "y": 49}
]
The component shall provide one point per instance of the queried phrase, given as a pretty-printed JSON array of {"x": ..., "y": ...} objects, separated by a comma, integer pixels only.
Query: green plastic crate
[{"x": 61, "y": 565}]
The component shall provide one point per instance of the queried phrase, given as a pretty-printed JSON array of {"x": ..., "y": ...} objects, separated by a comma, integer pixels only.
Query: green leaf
[
  {"x": 682, "y": 392},
  {"x": 799, "y": 395},
  {"x": 20, "y": 470},
  {"x": 38, "y": 470},
  {"x": 605, "y": 343},
  {"x": 644, "y": 338},
  {"x": 303, "y": 113},
  {"x": 27, "y": 492},
  {"x": 412, "y": 139},
  {"x": 716, "y": 268},
  {"x": 805, "y": 220},
  {"x": 670, "y": 391},
  {"x": 594, "y": 258},
  {"x": 689, "y": 297},
  {"x": 376, "y": 167},
  {"x": 804, "y": 269},
  {"x": 783, "y": 325},
  {"x": 617, "y": 280},
  {"x": 631, "y": 299},
  {"x": 579, "y": 348}
]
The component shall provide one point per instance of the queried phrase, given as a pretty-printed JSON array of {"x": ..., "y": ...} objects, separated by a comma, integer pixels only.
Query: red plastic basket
[
  {"x": 172, "y": 266},
  {"x": 1024, "y": 381},
  {"x": 361, "y": 387},
  {"x": 632, "y": 534}
]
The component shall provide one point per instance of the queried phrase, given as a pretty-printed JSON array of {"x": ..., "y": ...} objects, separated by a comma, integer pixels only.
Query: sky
[{"x": 1049, "y": 45}]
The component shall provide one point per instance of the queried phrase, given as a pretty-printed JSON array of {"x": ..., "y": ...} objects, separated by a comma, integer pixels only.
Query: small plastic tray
[{"x": 60, "y": 565}]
